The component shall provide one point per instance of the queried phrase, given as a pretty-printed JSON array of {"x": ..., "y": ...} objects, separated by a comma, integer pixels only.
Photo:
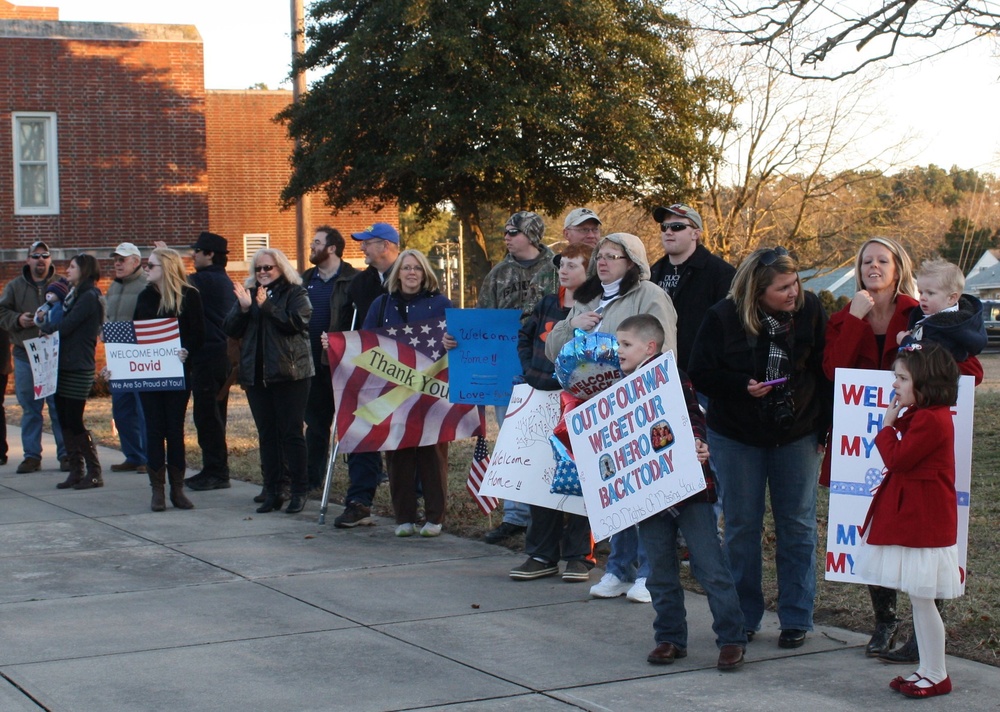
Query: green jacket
[{"x": 21, "y": 295}]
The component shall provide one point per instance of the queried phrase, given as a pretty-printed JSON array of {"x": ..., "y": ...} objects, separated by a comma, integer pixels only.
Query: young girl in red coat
[{"x": 911, "y": 530}]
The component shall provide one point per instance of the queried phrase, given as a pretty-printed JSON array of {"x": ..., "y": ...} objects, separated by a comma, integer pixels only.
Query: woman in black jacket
[
  {"x": 758, "y": 357},
  {"x": 168, "y": 295},
  {"x": 271, "y": 316},
  {"x": 83, "y": 314}
]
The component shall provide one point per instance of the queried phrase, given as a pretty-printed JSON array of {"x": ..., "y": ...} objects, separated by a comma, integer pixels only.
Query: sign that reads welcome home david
[
  {"x": 143, "y": 355},
  {"x": 634, "y": 448}
]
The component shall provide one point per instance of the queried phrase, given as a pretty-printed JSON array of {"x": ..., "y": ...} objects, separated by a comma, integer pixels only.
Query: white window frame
[{"x": 51, "y": 163}]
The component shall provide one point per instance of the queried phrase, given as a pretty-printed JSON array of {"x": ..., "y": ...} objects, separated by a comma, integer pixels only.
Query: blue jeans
[
  {"x": 516, "y": 513},
  {"x": 790, "y": 473},
  {"x": 628, "y": 560},
  {"x": 31, "y": 418},
  {"x": 126, "y": 409},
  {"x": 708, "y": 564},
  {"x": 363, "y": 469}
]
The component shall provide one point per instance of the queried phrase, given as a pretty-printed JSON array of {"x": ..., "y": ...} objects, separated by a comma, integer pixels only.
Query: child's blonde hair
[
  {"x": 948, "y": 275},
  {"x": 646, "y": 326}
]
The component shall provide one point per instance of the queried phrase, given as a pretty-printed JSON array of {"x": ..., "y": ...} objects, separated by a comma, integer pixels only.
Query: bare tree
[{"x": 815, "y": 38}]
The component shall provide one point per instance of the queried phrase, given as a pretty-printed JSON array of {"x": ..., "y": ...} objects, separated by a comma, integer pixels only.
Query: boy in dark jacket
[{"x": 640, "y": 338}]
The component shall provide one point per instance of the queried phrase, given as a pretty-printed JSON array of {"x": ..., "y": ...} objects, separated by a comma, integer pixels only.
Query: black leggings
[{"x": 70, "y": 411}]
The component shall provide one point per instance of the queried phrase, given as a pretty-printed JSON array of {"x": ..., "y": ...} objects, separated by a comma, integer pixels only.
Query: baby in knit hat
[{"x": 52, "y": 310}]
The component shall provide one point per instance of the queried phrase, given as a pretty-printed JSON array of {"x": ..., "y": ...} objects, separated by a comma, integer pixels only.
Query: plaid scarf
[{"x": 778, "y": 327}]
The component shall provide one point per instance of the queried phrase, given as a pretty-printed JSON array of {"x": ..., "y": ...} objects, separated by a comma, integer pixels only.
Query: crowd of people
[{"x": 760, "y": 357}]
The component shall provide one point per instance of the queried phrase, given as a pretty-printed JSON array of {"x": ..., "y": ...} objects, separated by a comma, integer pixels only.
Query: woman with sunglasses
[
  {"x": 168, "y": 295},
  {"x": 412, "y": 296},
  {"x": 618, "y": 287},
  {"x": 83, "y": 314},
  {"x": 863, "y": 335},
  {"x": 271, "y": 316},
  {"x": 758, "y": 356}
]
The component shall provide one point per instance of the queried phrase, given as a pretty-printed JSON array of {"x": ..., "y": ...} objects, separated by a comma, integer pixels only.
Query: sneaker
[
  {"x": 533, "y": 569},
  {"x": 610, "y": 586},
  {"x": 354, "y": 515},
  {"x": 207, "y": 482},
  {"x": 576, "y": 571},
  {"x": 430, "y": 529},
  {"x": 405, "y": 530},
  {"x": 638, "y": 592},
  {"x": 29, "y": 464},
  {"x": 505, "y": 530}
]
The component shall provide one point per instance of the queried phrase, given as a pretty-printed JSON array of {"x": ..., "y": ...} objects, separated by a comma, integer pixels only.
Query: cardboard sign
[
  {"x": 634, "y": 448},
  {"x": 142, "y": 355},
  {"x": 43, "y": 355},
  {"x": 483, "y": 366},
  {"x": 860, "y": 399},
  {"x": 522, "y": 464}
]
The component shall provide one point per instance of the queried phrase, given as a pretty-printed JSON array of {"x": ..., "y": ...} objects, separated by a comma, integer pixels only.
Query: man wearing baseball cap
[
  {"x": 582, "y": 226},
  {"x": 126, "y": 408},
  {"x": 380, "y": 246},
  {"x": 694, "y": 278},
  {"x": 20, "y": 300}
]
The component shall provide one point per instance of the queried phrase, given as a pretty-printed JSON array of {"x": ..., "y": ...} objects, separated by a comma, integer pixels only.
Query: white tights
[{"x": 929, "y": 629}]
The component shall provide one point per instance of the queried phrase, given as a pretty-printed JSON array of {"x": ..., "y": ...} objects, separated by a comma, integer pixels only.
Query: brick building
[{"x": 107, "y": 134}]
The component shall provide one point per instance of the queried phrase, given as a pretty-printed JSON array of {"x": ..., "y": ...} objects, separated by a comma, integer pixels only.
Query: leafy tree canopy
[{"x": 518, "y": 103}]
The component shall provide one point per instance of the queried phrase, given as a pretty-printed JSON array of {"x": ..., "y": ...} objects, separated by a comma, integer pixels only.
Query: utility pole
[{"x": 304, "y": 204}]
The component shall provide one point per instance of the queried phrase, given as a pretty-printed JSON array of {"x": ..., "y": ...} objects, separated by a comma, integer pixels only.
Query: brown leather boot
[
  {"x": 89, "y": 451},
  {"x": 177, "y": 496},
  {"x": 158, "y": 481}
]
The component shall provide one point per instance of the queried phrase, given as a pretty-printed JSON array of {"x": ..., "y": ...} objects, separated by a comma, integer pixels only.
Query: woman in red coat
[
  {"x": 863, "y": 335},
  {"x": 910, "y": 533}
]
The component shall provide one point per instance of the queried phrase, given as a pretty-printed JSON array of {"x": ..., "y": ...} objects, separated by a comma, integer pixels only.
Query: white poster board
[
  {"x": 860, "y": 399},
  {"x": 522, "y": 464},
  {"x": 634, "y": 448},
  {"x": 43, "y": 355},
  {"x": 143, "y": 355}
]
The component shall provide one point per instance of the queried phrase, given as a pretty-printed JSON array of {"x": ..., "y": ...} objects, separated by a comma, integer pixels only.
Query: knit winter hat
[
  {"x": 59, "y": 287},
  {"x": 531, "y": 224}
]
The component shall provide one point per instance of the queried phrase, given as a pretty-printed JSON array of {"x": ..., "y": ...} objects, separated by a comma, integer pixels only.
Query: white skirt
[{"x": 920, "y": 572}]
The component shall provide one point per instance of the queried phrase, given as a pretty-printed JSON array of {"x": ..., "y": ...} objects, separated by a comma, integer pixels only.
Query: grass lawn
[{"x": 973, "y": 621}]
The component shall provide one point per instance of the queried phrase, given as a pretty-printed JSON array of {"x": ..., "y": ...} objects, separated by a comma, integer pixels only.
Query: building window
[{"x": 36, "y": 164}]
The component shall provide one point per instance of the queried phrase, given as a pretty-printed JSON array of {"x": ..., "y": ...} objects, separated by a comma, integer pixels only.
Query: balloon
[{"x": 588, "y": 364}]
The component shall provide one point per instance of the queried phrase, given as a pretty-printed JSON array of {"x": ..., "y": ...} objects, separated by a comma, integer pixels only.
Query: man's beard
[
  {"x": 316, "y": 259},
  {"x": 41, "y": 271}
]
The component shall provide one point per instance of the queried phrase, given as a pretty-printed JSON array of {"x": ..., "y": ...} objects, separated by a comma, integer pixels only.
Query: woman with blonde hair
[
  {"x": 758, "y": 356},
  {"x": 271, "y": 316},
  {"x": 168, "y": 295},
  {"x": 413, "y": 296}
]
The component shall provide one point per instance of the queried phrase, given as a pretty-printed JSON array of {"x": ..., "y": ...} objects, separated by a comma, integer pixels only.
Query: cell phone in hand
[{"x": 775, "y": 382}]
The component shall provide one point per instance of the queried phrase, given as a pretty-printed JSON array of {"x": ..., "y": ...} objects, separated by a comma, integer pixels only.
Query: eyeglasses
[
  {"x": 119, "y": 260},
  {"x": 197, "y": 250},
  {"x": 365, "y": 244},
  {"x": 594, "y": 230},
  {"x": 39, "y": 255},
  {"x": 411, "y": 268},
  {"x": 264, "y": 268},
  {"x": 674, "y": 227},
  {"x": 611, "y": 258},
  {"x": 512, "y": 232},
  {"x": 151, "y": 265},
  {"x": 769, "y": 257}
]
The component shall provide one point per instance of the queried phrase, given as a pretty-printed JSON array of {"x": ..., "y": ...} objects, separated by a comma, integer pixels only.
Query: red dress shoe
[
  {"x": 665, "y": 654},
  {"x": 910, "y": 689},
  {"x": 730, "y": 657},
  {"x": 897, "y": 682}
]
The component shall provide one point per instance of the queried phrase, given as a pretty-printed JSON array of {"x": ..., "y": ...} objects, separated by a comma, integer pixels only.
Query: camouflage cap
[{"x": 531, "y": 224}]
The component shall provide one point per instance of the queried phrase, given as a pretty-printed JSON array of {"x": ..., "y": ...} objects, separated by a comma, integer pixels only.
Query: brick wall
[
  {"x": 10, "y": 11},
  {"x": 248, "y": 156},
  {"x": 129, "y": 104}
]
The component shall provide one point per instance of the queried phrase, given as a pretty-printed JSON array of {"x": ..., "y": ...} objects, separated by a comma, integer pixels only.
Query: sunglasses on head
[
  {"x": 263, "y": 268},
  {"x": 674, "y": 227},
  {"x": 771, "y": 256},
  {"x": 39, "y": 255}
]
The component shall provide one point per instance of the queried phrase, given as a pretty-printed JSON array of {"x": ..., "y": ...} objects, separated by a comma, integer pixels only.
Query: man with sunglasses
[
  {"x": 20, "y": 300},
  {"x": 380, "y": 246},
  {"x": 694, "y": 278},
  {"x": 211, "y": 365},
  {"x": 126, "y": 408}
]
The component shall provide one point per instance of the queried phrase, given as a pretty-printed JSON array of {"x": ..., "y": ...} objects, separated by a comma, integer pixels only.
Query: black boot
[
  {"x": 74, "y": 458},
  {"x": 886, "y": 623},
  {"x": 89, "y": 450},
  {"x": 272, "y": 501},
  {"x": 296, "y": 504},
  {"x": 905, "y": 653}
]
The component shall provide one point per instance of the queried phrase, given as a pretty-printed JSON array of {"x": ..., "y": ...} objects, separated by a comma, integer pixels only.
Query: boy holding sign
[{"x": 640, "y": 338}]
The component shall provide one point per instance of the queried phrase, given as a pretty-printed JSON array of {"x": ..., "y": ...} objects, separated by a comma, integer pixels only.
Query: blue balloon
[{"x": 588, "y": 363}]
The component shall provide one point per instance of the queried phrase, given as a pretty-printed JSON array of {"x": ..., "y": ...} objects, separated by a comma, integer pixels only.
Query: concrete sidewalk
[{"x": 107, "y": 606}]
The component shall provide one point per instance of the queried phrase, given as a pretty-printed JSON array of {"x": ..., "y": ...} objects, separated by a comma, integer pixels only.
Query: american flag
[
  {"x": 391, "y": 389},
  {"x": 146, "y": 331},
  {"x": 480, "y": 463}
]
